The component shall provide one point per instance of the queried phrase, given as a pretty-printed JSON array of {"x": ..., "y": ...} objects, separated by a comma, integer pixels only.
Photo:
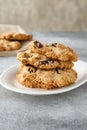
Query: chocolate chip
[
  {"x": 31, "y": 69},
  {"x": 58, "y": 71},
  {"x": 27, "y": 64},
  {"x": 38, "y": 44},
  {"x": 54, "y": 44},
  {"x": 46, "y": 62}
]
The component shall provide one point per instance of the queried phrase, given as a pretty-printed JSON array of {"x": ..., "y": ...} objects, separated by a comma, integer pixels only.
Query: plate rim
[{"x": 38, "y": 94}]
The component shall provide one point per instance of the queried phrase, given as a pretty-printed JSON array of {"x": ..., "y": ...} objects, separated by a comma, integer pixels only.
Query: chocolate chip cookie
[
  {"x": 47, "y": 79},
  {"x": 6, "y": 45},
  {"x": 16, "y": 36},
  {"x": 54, "y": 51},
  {"x": 41, "y": 61}
]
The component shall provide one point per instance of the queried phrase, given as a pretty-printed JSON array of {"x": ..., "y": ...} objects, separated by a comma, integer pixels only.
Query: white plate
[{"x": 8, "y": 80}]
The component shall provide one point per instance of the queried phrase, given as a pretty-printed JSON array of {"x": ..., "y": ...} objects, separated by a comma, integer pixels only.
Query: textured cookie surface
[
  {"x": 55, "y": 51},
  {"x": 46, "y": 79},
  {"x": 6, "y": 45},
  {"x": 15, "y": 36},
  {"x": 41, "y": 61}
]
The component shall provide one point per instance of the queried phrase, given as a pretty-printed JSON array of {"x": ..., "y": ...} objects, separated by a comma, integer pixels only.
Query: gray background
[
  {"x": 67, "y": 111},
  {"x": 45, "y": 15}
]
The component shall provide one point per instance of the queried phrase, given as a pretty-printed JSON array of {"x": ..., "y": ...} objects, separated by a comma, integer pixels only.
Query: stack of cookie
[
  {"x": 12, "y": 41},
  {"x": 46, "y": 66}
]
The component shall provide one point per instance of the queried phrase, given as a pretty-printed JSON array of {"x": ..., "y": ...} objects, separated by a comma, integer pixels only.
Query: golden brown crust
[
  {"x": 16, "y": 36},
  {"x": 46, "y": 79},
  {"x": 41, "y": 61},
  {"x": 6, "y": 45},
  {"x": 55, "y": 51}
]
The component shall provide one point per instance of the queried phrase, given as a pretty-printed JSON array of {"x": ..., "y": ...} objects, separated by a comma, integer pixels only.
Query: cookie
[
  {"x": 47, "y": 79},
  {"x": 16, "y": 36},
  {"x": 55, "y": 51},
  {"x": 41, "y": 61},
  {"x": 6, "y": 45}
]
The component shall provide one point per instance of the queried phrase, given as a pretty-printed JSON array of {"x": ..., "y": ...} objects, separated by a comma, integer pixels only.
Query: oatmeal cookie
[
  {"x": 16, "y": 36},
  {"x": 6, "y": 45},
  {"x": 47, "y": 79},
  {"x": 41, "y": 61},
  {"x": 55, "y": 51}
]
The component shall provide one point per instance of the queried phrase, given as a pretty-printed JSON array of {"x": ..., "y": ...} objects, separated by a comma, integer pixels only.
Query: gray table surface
[{"x": 66, "y": 111}]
